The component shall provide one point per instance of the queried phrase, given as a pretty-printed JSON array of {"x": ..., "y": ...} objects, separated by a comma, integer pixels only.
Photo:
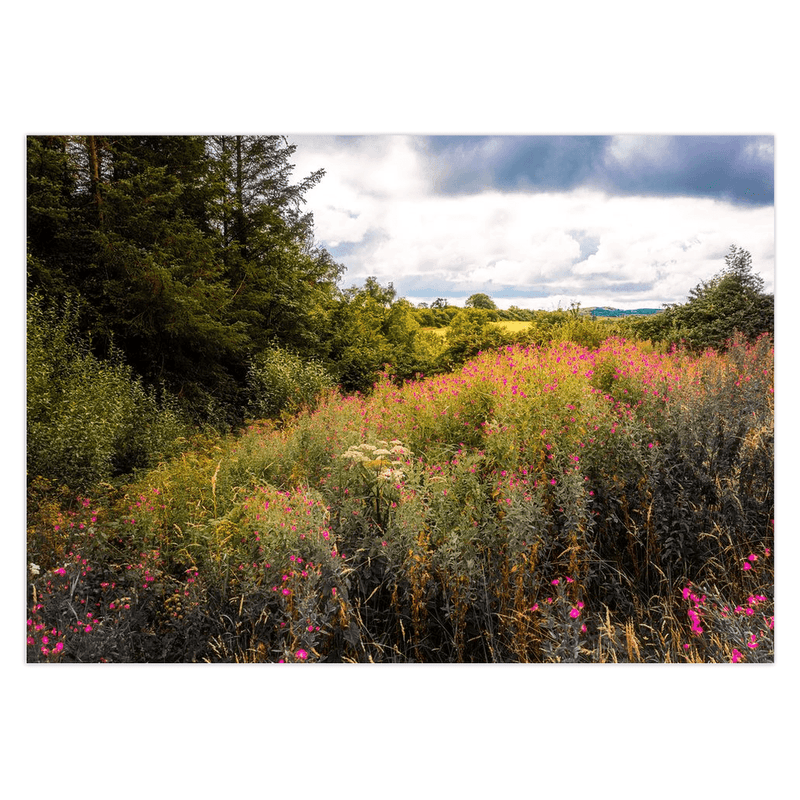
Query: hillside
[{"x": 605, "y": 311}]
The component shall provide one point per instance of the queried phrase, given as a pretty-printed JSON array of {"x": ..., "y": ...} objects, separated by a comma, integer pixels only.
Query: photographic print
[{"x": 404, "y": 399}]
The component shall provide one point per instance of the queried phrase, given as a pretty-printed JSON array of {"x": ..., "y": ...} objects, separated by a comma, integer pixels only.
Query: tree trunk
[{"x": 94, "y": 176}]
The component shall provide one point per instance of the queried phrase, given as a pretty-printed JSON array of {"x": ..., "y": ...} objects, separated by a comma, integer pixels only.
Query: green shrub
[
  {"x": 279, "y": 381},
  {"x": 471, "y": 332},
  {"x": 89, "y": 420}
]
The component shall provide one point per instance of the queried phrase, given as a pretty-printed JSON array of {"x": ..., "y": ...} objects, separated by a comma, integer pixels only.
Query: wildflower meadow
[{"x": 543, "y": 503}]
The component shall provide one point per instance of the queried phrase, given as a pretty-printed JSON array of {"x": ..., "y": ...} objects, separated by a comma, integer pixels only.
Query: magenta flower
[
  {"x": 736, "y": 656},
  {"x": 302, "y": 655},
  {"x": 575, "y": 613}
]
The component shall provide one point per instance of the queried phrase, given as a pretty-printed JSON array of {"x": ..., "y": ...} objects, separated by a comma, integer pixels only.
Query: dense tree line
[{"x": 188, "y": 254}]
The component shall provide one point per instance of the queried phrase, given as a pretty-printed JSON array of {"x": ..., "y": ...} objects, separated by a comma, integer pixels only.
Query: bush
[
  {"x": 469, "y": 333},
  {"x": 280, "y": 382},
  {"x": 89, "y": 420}
]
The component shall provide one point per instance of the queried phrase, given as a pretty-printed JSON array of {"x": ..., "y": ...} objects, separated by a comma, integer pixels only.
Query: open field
[{"x": 512, "y": 326}]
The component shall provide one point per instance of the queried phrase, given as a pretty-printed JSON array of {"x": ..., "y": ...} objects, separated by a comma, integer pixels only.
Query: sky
[{"x": 626, "y": 221}]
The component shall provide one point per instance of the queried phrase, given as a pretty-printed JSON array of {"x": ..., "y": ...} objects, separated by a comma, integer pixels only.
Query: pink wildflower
[
  {"x": 736, "y": 656},
  {"x": 302, "y": 655}
]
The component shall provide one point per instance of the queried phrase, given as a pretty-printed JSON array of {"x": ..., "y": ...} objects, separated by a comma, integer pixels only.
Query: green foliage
[
  {"x": 731, "y": 302},
  {"x": 469, "y": 333},
  {"x": 480, "y": 300},
  {"x": 370, "y": 331},
  {"x": 280, "y": 382},
  {"x": 190, "y": 252},
  {"x": 88, "y": 420}
]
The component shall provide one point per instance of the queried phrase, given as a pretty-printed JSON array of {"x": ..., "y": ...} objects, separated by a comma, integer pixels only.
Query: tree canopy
[
  {"x": 731, "y": 301},
  {"x": 189, "y": 253},
  {"x": 480, "y": 300}
]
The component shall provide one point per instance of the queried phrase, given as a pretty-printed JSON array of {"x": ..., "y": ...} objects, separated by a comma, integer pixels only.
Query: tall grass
[{"x": 543, "y": 503}]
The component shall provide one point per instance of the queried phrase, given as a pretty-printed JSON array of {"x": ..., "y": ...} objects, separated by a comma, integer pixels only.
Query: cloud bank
[{"x": 539, "y": 222}]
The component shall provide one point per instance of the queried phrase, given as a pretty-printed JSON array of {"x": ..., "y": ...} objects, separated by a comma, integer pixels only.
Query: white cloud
[
  {"x": 378, "y": 197},
  {"x": 762, "y": 150},
  {"x": 629, "y": 149}
]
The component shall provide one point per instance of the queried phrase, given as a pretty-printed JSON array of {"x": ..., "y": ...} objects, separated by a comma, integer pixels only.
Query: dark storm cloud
[
  {"x": 468, "y": 164},
  {"x": 736, "y": 169}
]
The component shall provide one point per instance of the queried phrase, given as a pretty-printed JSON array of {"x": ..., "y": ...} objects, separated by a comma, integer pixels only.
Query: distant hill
[{"x": 605, "y": 311}]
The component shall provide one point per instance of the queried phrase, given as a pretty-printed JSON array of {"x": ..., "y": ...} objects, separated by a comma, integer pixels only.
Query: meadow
[{"x": 551, "y": 503}]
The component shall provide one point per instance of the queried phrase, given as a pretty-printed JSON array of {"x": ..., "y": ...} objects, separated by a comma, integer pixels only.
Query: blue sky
[{"x": 542, "y": 221}]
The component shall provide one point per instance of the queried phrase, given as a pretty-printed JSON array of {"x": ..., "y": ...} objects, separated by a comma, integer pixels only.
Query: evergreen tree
[
  {"x": 190, "y": 254},
  {"x": 282, "y": 283}
]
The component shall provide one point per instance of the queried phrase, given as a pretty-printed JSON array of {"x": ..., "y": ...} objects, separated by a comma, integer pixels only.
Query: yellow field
[{"x": 510, "y": 325}]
